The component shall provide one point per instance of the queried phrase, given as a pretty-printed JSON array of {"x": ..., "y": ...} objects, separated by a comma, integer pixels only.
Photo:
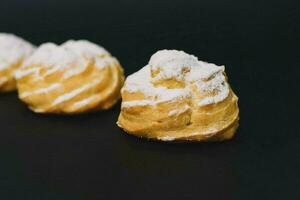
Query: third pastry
[{"x": 13, "y": 52}]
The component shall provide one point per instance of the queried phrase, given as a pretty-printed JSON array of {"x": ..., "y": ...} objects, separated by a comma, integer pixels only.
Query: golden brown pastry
[
  {"x": 75, "y": 77},
  {"x": 178, "y": 97},
  {"x": 13, "y": 52}
]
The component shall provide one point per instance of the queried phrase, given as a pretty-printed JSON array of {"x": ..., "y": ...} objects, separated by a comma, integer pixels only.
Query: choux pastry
[
  {"x": 13, "y": 52},
  {"x": 177, "y": 97},
  {"x": 75, "y": 77}
]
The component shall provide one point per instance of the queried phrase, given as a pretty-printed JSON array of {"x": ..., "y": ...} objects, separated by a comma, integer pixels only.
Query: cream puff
[
  {"x": 75, "y": 77},
  {"x": 13, "y": 52},
  {"x": 178, "y": 97}
]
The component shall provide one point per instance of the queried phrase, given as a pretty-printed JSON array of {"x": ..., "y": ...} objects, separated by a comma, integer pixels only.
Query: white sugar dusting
[
  {"x": 141, "y": 82},
  {"x": 207, "y": 132},
  {"x": 85, "y": 48},
  {"x": 53, "y": 70},
  {"x": 72, "y": 57},
  {"x": 167, "y": 138},
  {"x": 84, "y": 102},
  {"x": 90, "y": 51},
  {"x": 13, "y": 50},
  {"x": 177, "y": 112},
  {"x": 172, "y": 64},
  {"x": 222, "y": 94},
  {"x": 73, "y": 93},
  {"x": 101, "y": 62},
  {"x": 22, "y": 73},
  {"x": 41, "y": 90},
  {"x": 50, "y": 55},
  {"x": 137, "y": 103}
]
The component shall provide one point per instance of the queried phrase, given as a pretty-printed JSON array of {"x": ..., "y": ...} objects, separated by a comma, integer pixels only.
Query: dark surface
[{"x": 89, "y": 157}]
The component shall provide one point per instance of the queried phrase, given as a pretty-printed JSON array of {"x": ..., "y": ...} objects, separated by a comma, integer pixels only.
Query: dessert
[
  {"x": 13, "y": 52},
  {"x": 178, "y": 97},
  {"x": 75, "y": 77}
]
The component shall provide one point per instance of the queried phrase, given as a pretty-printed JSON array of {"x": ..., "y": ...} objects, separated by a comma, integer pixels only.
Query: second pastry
[{"x": 75, "y": 77}]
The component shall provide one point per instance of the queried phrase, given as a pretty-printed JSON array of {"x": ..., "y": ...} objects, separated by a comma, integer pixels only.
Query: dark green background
[{"x": 89, "y": 157}]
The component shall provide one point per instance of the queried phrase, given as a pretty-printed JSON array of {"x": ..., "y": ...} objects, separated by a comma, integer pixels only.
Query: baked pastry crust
[
  {"x": 13, "y": 52},
  {"x": 75, "y": 77},
  {"x": 178, "y": 97}
]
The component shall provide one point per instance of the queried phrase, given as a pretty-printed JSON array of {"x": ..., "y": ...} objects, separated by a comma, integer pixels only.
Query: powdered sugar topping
[
  {"x": 171, "y": 64},
  {"x": 177, "y": 65},
  {"x": 13, "y": 50},
  {"x": 72, "y": 57}
]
